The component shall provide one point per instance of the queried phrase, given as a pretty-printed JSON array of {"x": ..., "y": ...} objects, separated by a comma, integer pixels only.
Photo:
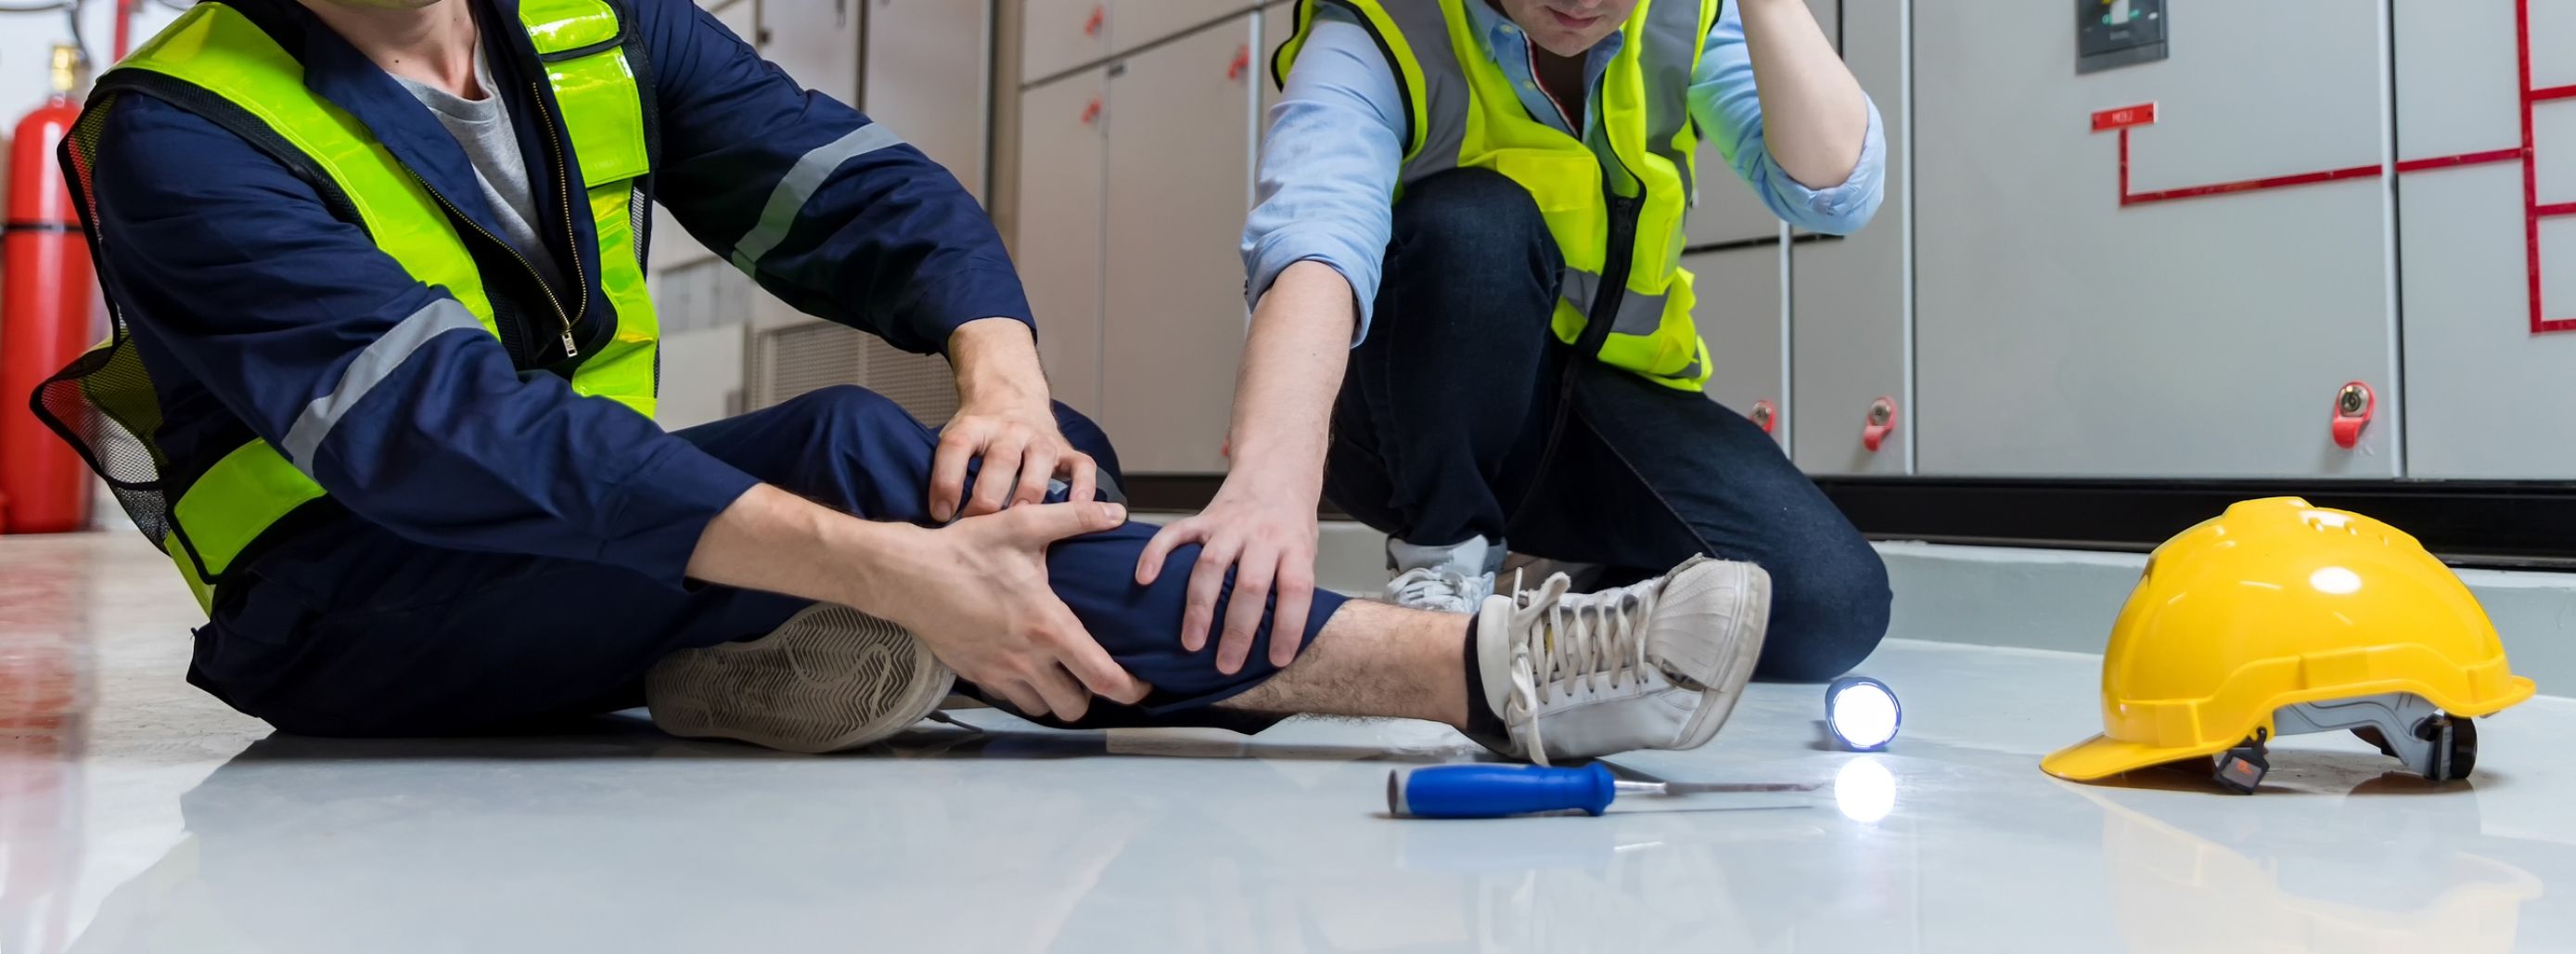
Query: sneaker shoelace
[{"x": 1585, "y": 637}]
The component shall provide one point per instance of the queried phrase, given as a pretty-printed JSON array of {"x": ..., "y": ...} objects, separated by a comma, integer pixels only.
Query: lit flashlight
[{"x": 1862, "y": 713}]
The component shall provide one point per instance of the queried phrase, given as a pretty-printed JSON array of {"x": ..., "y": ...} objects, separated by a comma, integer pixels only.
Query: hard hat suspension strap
[{"x": 2403, "y": 725}]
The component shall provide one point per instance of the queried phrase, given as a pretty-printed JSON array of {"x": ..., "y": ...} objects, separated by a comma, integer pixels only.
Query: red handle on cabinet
[
  {"x": 2354, "y": 405},
  {"x": 1242, "y": 62},
  {"x": 1881, "y": 420},
  {"x": 1099, "y": 15},
  {"x": 1091, "y": 113},
  {"x": 1765, "y": 414}
]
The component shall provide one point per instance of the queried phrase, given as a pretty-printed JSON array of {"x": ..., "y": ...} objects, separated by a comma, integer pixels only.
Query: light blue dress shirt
[{"x": 1336, "y": 146}]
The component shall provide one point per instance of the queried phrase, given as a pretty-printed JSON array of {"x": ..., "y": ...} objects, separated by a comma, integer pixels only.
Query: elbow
[
  {"x": 1844, "y": 208},
  {"x": 1844, "y": 217}
]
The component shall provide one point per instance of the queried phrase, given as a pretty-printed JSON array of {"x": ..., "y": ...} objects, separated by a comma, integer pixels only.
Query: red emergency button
[
  {"x": 2352, "y": 410},
  {"x": 1882, "y": 419}
]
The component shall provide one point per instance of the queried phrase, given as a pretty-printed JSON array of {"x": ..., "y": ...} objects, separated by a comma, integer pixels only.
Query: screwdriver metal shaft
[{"x": 1499, "y": 791}]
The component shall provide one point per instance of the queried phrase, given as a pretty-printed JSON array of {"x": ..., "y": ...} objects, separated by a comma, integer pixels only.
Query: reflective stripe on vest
[
  {"x": 1462, "y": 112},
  {"x": 214, "y": 48}
]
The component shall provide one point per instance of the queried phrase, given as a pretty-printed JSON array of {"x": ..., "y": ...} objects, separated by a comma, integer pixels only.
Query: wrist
[
  {"x": 874, "y": 553},
  {"x": 1275, "y": 480},
  {"x": 996, "y": 360}
]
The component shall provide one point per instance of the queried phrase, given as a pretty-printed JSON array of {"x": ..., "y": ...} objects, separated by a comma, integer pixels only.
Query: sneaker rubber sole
[
  {"x": 830, "y": 678},
  {"x": 1752, "y": 615}
]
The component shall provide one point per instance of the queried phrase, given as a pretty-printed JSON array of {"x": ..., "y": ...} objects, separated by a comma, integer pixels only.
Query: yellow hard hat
[{"x": 2276, "y": 604}]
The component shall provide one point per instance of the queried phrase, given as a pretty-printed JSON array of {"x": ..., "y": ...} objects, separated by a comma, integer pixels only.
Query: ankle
[{"x": 1473, "y": 715}]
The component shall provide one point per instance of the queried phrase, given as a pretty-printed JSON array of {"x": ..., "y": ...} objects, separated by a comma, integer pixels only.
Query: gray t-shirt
[{"x": 483, "y": 128}]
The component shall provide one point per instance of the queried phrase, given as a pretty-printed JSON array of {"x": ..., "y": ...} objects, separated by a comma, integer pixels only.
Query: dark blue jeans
[
  {"x": 1463, "y": 415},
  {"x": 350, "y": 630}
]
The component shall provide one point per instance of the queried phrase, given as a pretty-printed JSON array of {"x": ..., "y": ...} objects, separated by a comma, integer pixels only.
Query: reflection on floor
[{"x": 139, "y": 815}]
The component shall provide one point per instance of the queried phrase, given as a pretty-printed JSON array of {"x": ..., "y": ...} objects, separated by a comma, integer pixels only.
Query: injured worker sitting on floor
[
  {"x": 1471, "y": 328},
  {"x": 383, "y": 380}
]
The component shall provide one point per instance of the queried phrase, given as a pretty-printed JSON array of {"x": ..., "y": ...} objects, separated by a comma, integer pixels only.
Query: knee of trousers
[
  {"x": 1474, "y": 233},
  {"x": 1086, "y": 436},
  {"x": 1829, "y": 611},
  {"x": 1475, "y": 209},
  {"x": 846, "y": 411}
]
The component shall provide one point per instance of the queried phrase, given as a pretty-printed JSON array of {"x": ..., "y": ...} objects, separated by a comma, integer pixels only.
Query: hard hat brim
[{"x": 2101, "y": 757}]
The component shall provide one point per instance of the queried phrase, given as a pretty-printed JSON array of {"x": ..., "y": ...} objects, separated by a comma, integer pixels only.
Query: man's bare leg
[{"x": 1374, "y": 660}]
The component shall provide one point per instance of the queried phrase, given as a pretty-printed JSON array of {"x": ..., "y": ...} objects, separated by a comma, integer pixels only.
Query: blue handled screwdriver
[{"x": 1501, "y": 791}]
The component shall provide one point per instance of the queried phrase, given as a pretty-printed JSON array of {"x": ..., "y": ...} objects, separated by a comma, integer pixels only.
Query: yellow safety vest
[
  {"x": 214, "y": 50},
  {"x": 1626, "y": 223}
]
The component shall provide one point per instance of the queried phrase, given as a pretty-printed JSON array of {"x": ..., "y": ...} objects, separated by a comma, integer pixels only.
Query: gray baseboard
[{"x": 2066, "y": 600}]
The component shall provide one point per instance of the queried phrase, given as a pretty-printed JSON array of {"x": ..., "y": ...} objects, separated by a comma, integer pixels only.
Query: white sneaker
[
  {"x": 828, "y": 679},
  {"x": 1656, "y": 665},
  {"x": 1440, "y": 591}
]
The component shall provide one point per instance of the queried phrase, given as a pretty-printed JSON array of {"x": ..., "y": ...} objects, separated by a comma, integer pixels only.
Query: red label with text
[{"x": 2143, "y": 114}]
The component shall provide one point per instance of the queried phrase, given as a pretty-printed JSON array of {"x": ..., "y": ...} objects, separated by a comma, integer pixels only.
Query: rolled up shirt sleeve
[
  {"x": 1329, "y": 166},
  {"x": 1728, "y": 107}
]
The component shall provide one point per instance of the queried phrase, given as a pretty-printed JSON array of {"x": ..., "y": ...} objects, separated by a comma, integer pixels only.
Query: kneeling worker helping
[{"x": 381, "y": 387}]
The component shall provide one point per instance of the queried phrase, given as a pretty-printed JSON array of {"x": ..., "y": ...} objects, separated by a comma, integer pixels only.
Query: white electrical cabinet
[
  {"x": 2072, "y": 322},
  {"x": 2485, "y": 392},
  {"x": 1059, "y": 35},
  {"x": 1739, "y": 253},
  {"x": 2075, "y": 289},
  {"x": 1172, "y": 310},
  {"x": 921, "y": 67},
  {"x": 1740, "y": 316},
  {"x": 1850, "y": 340},
  {"x": 927, "y": 74},
  {"x": 816, "y": 42},
  {"x": 1064, "y": 146},
  {"x": 1134, "y": 178}
]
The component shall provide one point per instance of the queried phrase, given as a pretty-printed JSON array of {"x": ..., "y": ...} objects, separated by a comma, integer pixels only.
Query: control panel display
[{"x": 2110, "y": 33}]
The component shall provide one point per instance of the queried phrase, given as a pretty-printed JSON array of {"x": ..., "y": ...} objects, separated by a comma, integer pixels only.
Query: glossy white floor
[{"x": 150, "y": 818}]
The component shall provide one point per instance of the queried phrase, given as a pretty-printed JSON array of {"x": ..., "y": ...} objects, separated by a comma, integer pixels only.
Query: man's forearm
[
  {"x": 1292, "y": 369},
  {"x": 1814, "y": 115},
  {"x": 773, "y": 540},
  {"x": 997, "y": 364}
]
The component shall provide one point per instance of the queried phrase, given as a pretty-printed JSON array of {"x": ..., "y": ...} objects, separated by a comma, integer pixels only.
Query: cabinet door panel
[
  {"x": 1058, "y": 35},
  {"x": 1179, "y": 182},
  {"x": 1058, "y": 244},
  {"x": 928, "y": 69},
  {"x": 2061, "y": 330}
]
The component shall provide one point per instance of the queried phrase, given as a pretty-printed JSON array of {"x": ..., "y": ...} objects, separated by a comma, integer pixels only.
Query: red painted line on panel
[
  {"x": 2530, "y": 161},
  {"x": 2463, "y": 159},
  {"x": 2124, "y": 168},
  {"x": 2123, "y": 119},
  {"x": 2252, "y": 185}
]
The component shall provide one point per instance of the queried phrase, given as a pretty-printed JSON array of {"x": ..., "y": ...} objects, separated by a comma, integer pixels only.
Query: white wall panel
[
  {"x": 1173, "y": 316},
  {"x": 928, "y": 69},
  {"x": 1849, "y": 298},
  {"x": 1058, "y": 247},
  {"x": 2484, "y": 398},
  {"x": 2060, "y": 334},
  {"x": 1058, "y": 35}
]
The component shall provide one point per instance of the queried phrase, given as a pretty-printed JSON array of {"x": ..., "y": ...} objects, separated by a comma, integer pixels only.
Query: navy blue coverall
[{"x": 496, "y": 550}]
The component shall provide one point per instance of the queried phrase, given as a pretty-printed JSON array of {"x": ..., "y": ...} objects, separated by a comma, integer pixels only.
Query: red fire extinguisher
[{"x": 45, "y": 317}]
